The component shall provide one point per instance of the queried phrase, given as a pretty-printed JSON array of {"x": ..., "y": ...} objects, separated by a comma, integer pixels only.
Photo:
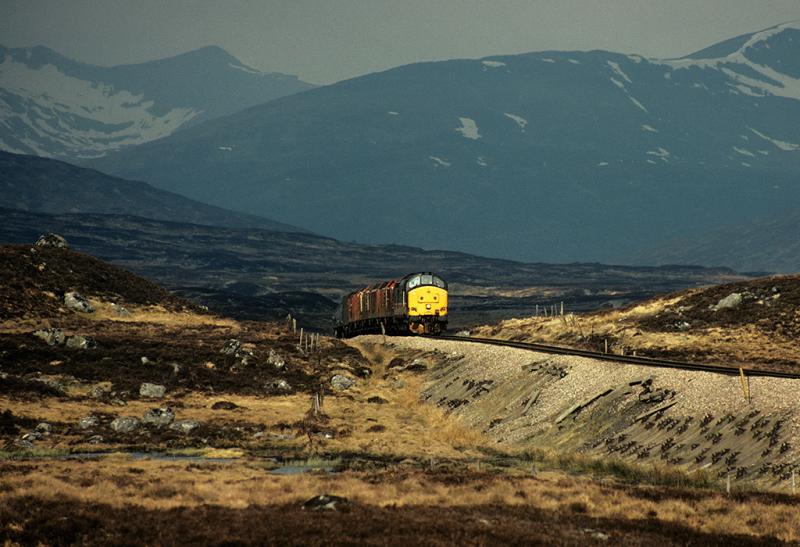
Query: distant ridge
[
  {"x": 54, "y": 106},
  {"x": 550, "y": 156},
  {"x": 42, "y": 185}
]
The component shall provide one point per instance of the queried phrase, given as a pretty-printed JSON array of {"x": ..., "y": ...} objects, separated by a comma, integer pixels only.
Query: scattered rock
[
  {"x": 224, "y": 405},
  {"x": 77, "y": 302},
  {"x": 81, "y": 342},
  {"x": 397, "y": 383},
  {"x": 231, "y": 347},
  {"x": 281, "y": 385},
  {"x": 95, "y": 439},
  {"x": 417, "y": 365},
  {"x": 88, "y": 422},
  {"x": 120, "y": 311},
  {"x": 45, "y": 428},
  {"x": 97, "y": 392},
  {"x": 377, "y": 428},
  {"x": 22, "y": 444},
  {"x": 159, "y": 417},
  {"x": 53, "y": 337},
  {"x": 184, "y": 426},
  {"x": 462, "y": 333},
  {"x": 733, "y": 300},
  {"x": 326, "y": 502},
  {"x": 276, "y": 360},
  {"x": 341, "y": 382},
  {"x": 153, "y": 391},
  {"x": 51, "y": 240},
  {"x": 377, "y": 400},
  {"x": 55, "y": 383},
  {"x": 146, "y": 361},
  {"x": 124, "y": 424}
]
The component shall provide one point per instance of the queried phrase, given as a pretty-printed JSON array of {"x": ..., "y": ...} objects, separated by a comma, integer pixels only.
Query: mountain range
[
  {"x": 42, "y": 185},
  {"x": 548, "y": 156},
  {"x": 54, "y": 106}
]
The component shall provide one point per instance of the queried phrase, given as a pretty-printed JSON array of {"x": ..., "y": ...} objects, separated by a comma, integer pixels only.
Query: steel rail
[{"x": 629, "y": 359}]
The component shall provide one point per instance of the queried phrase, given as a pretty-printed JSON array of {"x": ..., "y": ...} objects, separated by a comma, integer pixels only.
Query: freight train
[{"x": 415, "y": 304}]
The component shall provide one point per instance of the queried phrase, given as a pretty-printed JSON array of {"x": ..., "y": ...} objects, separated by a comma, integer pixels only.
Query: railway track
[{"x": 629, "y": 359}]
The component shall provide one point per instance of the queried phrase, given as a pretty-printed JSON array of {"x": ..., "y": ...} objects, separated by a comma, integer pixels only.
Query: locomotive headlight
[{"x": 427, "y": 306}]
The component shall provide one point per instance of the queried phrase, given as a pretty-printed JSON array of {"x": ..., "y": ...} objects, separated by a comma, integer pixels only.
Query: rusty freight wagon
[{"x": 416, "y": 303}]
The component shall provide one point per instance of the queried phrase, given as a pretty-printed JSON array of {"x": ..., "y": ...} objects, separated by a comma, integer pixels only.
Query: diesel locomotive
[{"x": 415, "y": 304}]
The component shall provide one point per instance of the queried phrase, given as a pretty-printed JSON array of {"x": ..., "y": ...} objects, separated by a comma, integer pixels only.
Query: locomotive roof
[{"x": 391, "y": 282}]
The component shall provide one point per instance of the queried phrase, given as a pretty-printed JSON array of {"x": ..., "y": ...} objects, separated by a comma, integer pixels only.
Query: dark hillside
[{"x": 35, "y": 279}]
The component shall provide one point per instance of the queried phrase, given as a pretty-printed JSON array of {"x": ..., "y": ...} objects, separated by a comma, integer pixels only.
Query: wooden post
[
  {"x": 793, "y": 488},
  {"x": 294, "y": 324},
  {"x": 562, "y": 307},
  {"x": 606, "y": 345},
  {"x": 745, "y": 384},
  {"x": 300, "y": 344},
  {"x": 537, "y": 310},
  {"x": 728, "y": 484}
]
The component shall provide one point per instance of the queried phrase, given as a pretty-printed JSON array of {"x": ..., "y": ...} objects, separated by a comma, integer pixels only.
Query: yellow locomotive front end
[{"x": 426, "y": 297}]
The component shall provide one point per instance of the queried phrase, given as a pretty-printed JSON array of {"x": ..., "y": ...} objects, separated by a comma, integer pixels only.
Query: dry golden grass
[
  {"x": 159, "y": 315},
  {"x": 741, "y": 345},
  {"x": 120, "y": 481}
]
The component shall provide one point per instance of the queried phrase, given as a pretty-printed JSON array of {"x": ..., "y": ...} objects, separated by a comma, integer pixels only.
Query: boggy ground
[
  {"x": 251, "y": 418},
  {"x": 757, "y": 327}
]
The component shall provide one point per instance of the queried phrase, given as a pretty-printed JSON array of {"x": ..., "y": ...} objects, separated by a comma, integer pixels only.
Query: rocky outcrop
[
  {"x": 152, "y": 391},
  {"x": 51, "y": 240},
  {"x": 53, "y": 337},
  {"x": 77, "y": 302},
  {"x": 159, "y": 417},
  {"x": 342, "y": 382},
  {"x": 125, "y": 424}
]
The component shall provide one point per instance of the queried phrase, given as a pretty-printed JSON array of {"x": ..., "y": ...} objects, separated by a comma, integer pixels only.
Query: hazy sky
[{"x": 328, "y": 40}]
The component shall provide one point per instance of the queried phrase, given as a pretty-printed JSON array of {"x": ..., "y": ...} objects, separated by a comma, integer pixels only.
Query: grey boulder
[
  {"x": 341, "y": 382},
  {"x": 125, "y": 424},
  {"x": 152, "y": 391},
  {"x": 733, "y": 300},
  {"x": 159, "y": 417},
  {"x": 184, "y": 426},
  {"x": 53, "y": 337},
  {"x": 51, "y": 240},
  {"x": 77, "y": 302}
]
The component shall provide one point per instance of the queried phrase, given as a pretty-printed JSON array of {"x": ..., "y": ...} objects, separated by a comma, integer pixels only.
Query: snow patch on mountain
[
  {"x": 618, "y": 71},
  {"x": 493, "y": 64},
  {"x": 783, "y": 145},
  {"x": 661, "y": 153},
  {"x": 649, "y": 128},
  {"x": 637, "y": 103},
  {"x": 439, "y": 162},
  {"x": 92, "y": 117},
  {"x": 245, "y": 68},
  {"x": 469, "y": 129},
  {"x": 749, "y": 77},
  {"x": 519, "y": 120},
  {"x": 743, "y": 151}
]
